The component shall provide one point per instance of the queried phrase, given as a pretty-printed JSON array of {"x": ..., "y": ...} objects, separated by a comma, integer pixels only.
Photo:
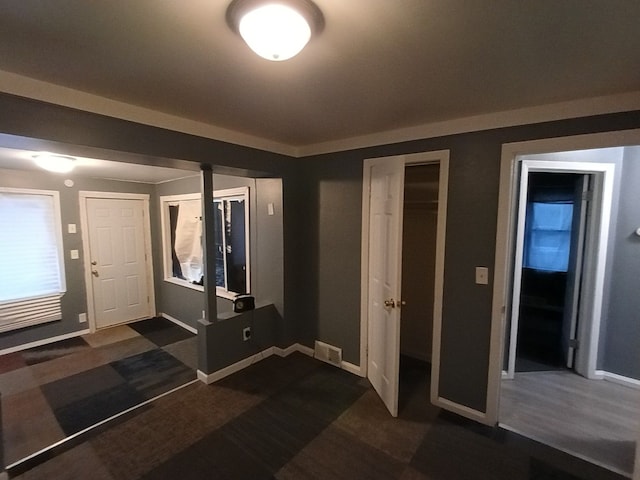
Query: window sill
[
  {"x": 184, "y": 283},
  {"x": 220, "y": 292}
]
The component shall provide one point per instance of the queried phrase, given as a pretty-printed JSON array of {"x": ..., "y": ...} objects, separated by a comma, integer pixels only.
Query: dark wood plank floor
[{"x": 297, "y": 418}]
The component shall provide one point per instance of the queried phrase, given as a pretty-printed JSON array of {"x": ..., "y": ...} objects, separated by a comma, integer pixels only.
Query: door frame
[
  {"x": 504, "y": 240},
  {"x": 595, "y": 254},
  {"x": 440, "y": 157},
  {"x": 83, "y": 196}
]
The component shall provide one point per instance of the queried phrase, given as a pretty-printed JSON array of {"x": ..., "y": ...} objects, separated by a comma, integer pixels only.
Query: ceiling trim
[
  {"x": 67, "y": 97},
  {"x": 523, "y": 116},
  {"x": 51, "y": 93}
]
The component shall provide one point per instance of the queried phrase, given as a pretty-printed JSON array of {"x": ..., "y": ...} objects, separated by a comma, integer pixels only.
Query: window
[
  {"x": 32, "y": 278},
  {"x": 548, "y": 238},
  {"x": 182, "y": 240},
  {"x": 232, "y": 241}
]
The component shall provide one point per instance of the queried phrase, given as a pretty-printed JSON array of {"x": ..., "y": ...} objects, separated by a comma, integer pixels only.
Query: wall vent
[{"x": 328, "y": 353}]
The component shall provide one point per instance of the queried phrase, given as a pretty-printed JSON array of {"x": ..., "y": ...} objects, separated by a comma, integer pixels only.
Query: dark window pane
[
  {"x": 219, "y": 244},
  {"x": 236, "y": 246},
  {"x": 176, "y": 270}
]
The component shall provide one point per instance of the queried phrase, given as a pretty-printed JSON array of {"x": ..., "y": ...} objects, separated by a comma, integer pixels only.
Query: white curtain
[{"x": 188, "y": 245}]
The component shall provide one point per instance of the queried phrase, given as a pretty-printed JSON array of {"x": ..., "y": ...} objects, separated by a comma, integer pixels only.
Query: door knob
[
  {"x": 389, "y": 303},
  {"x": 95, "y": 273},
  {"x": 94, "y": 263}
]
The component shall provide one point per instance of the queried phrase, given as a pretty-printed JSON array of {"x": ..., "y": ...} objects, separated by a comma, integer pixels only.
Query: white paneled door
[
  {"x": 117, "y": 253},
  {"x": 385, "y": 261}
]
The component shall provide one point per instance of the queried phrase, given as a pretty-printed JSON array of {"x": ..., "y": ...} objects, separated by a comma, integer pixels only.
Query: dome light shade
[
  {"x": 276, "y": 30},
  {"x": 54, "y": 163}
]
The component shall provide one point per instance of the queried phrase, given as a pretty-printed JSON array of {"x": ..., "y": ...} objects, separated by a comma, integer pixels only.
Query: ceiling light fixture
[
  {"x": 275, "y": 29},
  {"x": 54, "y": 163}
]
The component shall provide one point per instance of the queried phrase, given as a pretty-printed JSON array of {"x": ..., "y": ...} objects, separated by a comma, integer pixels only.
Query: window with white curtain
[
  {"x": 32, "y": 278},
  {"x": 181, "y": 217},
  {"x": 548, "y": 237}
]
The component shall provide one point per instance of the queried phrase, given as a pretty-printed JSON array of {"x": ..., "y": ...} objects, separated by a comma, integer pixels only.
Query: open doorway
[
  {"x": 419, "y": 236},
  {"x": 569, "y": 229},
  {"x": 556, "y": 213},
  {"x": 410, "y": 190}
]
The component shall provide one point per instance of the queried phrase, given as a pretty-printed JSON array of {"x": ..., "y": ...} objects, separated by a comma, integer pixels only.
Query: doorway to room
[
  {"x": 567, "y": 212},
  {"x": 419, "y": 235},
  {"x": 563, "y": 212},
  {"x": 550, "y": 278},
  {"x": 404, "y": 210}
]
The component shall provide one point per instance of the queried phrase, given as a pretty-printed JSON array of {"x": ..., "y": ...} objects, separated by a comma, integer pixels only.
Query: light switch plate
[
  {"x": 75, "y": 254},
  {"x": 482, "y": 275},
  {"x": 71, "y": 228},
  {"x": 270, "y": 210}
]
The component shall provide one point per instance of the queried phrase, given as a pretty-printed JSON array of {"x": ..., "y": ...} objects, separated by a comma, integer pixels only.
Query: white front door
[
  {"x": 385, "y": 260},
  {"x": 117, "y": 253}
]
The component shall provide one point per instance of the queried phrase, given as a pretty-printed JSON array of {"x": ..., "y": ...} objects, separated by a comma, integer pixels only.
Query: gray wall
[
  {"x": 322, "y": 220},
  {"x": 622, "y": 347},
  {"x": 266, "y": 249},
  {"x": 182, "y": 303},
  {"x": 329, "y": 251},
  {"x": 74, "y": 300}
]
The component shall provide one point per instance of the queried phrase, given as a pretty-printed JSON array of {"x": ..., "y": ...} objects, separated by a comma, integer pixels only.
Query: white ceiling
[
  {"x": 19, "y": 159},
  {"x": 378, "y": 65}
]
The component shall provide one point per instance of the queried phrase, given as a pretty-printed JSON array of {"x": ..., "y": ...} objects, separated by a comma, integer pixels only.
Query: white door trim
[
  {"x": 504, "y": 240},
  {"x": 440, "y": 157},
  {"x": 84, "y": 227},
  {"x": 595, "y": 253}
]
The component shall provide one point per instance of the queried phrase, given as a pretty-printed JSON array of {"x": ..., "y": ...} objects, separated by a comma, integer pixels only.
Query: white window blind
[{"x": 31, "y": 260}]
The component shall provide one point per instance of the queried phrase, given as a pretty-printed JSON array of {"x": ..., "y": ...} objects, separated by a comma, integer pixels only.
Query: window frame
[
  {"x": 167, "y": 263},
  {"x": 234, "y": 193}
]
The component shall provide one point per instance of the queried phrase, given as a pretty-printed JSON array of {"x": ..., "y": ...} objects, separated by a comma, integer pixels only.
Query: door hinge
[
  {"x": 587, "y": 196},
  {"x": 574, "y": 343}
]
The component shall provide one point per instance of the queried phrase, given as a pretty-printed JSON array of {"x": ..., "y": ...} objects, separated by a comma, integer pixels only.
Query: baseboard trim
[
  {"x": 351, "y": 368},
  {"x": 235, "y": 367},
  {"x": 209, "y": 378},
  {"x": 619, "y": 379},
  {"x": 180, "y": 323},
  {"x": 284, "y": 352},
  {"x": 45, "y": 341},
  {"x": 462, "y": 410},
  {"x": 308, "y": 351}
]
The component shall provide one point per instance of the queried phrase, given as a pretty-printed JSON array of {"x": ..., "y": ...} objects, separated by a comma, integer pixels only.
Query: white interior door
[
  {"x": 118, "y": 260},
  {"x": 574, "y": 272},
  {"x": 385, "y": 260}
]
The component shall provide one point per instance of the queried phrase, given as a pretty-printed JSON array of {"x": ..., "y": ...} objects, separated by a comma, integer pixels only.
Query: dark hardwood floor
[{"x": 297, "y": 418}]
